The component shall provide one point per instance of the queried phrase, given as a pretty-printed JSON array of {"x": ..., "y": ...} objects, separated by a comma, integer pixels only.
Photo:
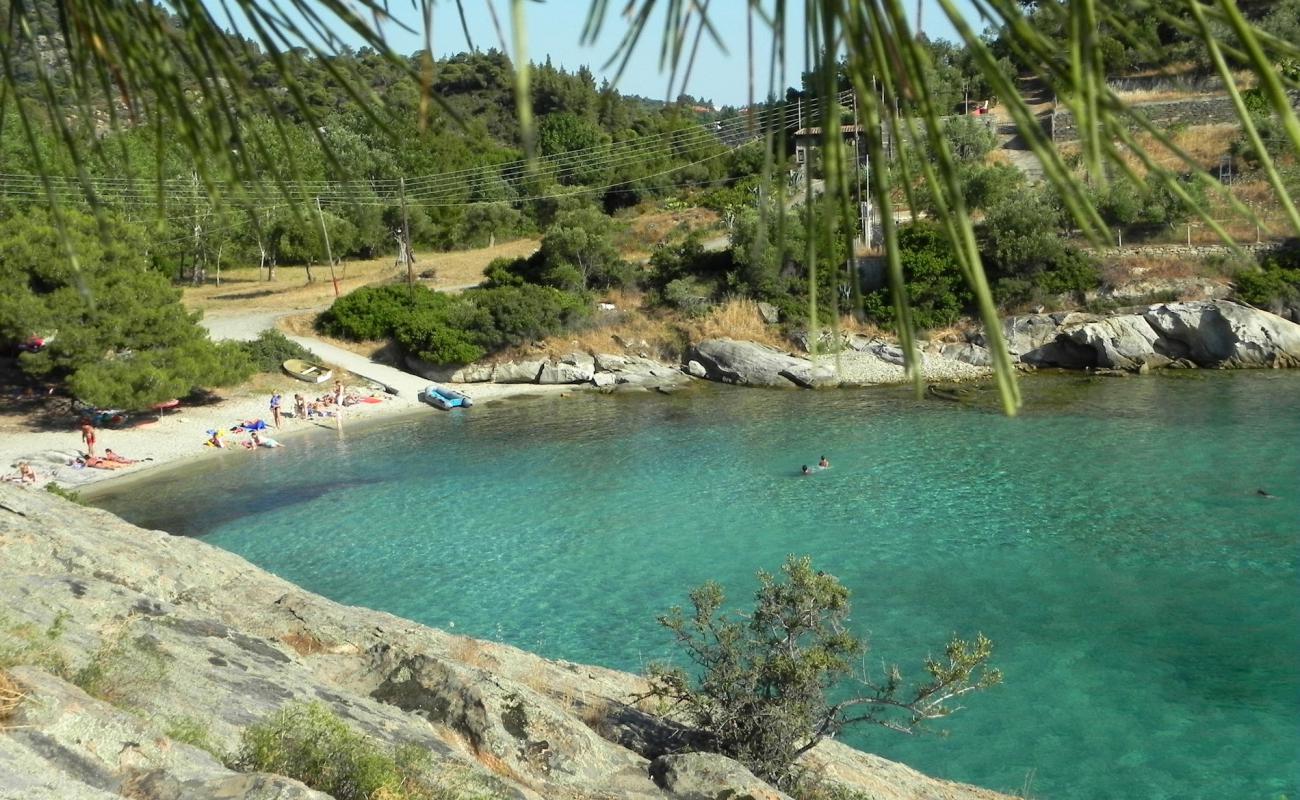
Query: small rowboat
[
  {"x": 307, "y": 371},
  {"x": 446, "y": 399}
]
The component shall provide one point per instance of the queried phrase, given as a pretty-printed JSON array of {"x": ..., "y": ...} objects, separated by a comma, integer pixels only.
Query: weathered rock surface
[
  {"x": 706, "y": 776},
  {"x": 603, "y": 370},
  {"x": 198, "y": 633},
  {"x": 517, "y": 371},
  {"x": 753, "y": 364},
  {"x": 1206, "y": 333},
  {"x": 64, "y": 744},
  {"x": 639, "y": 371},
  {"x": 877, "y": 362}
]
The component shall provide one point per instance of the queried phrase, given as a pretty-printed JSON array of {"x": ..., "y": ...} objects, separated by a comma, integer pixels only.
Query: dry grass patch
[
  {"x": 305, "y": 325},
  {"x": 304, "y": 643},
  {"x": 11, "y": 696},
  {"x": 649, "y": 228},
  {"x": 245, "y": 288},
  {"x": 1204, "y": 144},
  {"x": 737, "y": 318},
  {"x": 1119, "y": 271},
  {"x": 470, "y": 652}
]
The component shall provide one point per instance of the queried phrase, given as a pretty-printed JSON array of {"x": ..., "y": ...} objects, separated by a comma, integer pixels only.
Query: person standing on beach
[
  {"x": 275, "y": 408},
  {"x": 338, "y": 405},
  {"x": 88, "y": 437}
]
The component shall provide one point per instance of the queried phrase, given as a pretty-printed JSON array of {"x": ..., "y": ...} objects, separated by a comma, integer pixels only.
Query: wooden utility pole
[
  {"x": 406, "y": 242},
  {"x": 328, "y": 253}
]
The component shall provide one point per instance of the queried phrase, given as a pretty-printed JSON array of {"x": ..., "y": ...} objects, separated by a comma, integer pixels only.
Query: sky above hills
[{"x": 555, "y": 30}]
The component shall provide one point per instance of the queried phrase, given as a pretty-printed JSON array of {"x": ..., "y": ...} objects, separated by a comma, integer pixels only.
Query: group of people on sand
[
  {"x": 253, "y": 427},
  {"x": 329, "y": 404},
  {"x": 823, "y": 463},
  {"x": 109, "y": 460}
]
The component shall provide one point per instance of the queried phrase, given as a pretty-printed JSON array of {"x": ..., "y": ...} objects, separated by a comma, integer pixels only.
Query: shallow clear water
[{"x": 1142, "y": 598}]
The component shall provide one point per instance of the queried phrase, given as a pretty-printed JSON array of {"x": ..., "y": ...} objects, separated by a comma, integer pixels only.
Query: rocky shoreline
[
  {"x": 173, "y": 630},
  {"x": 1208, "y": 334}
]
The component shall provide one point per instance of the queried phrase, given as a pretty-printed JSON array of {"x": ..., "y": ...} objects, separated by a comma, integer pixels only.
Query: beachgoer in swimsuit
[
  {"x": 264, "y": 441},
  {"x": 299, "y": 406},
  {"x": 88, "y": 437},
  {"x": 805, "y": 470},
  {"x": 823, "y": 464},
  {"x": 25, "y": 472},
  {"x": 109, "y": 455},
  {"x": 275, "y": 408}
]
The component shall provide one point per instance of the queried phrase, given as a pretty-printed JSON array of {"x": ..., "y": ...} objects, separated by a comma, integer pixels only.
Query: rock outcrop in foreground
[{"x": 174, "y": 635}]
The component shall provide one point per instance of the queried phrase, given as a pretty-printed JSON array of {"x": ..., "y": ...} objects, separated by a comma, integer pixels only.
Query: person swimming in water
[
  {"x": 823, "y": 464},
  {"x": 805, "y": 470},
  {"x": 1265, "y": 494}
]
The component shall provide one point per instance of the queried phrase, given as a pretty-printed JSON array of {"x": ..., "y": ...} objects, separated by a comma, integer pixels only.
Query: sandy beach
[{"x": 178, "y": 437}]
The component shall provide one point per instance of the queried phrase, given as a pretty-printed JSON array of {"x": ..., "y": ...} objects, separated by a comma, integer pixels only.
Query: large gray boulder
[
  {"x": 517, "y": 371},
  {"x": 1203, "y": 333},
  {"x": 753, "y": 364},
  {"x": 1221, "y": 333},
  {"x": 473, "y": 373},
  {"x": 706, "y": 776},
  {"x": 1035, "y": 339},
  {"x": 877, "y": 362},
  {"x": 449, "y": 373},
  {"x": 514, "y": 725},
  {"x": 1210, "y": 333},
  {"x": 554, "y": 372},
  {"x": 639, "y": 372},
  {"x": 1125, "y": 342}
]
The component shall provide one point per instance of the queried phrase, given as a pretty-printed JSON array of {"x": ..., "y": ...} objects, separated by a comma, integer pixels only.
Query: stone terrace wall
[
  {"x": 1202, "y": 110},
  {"x": 1192, "y": 252}
]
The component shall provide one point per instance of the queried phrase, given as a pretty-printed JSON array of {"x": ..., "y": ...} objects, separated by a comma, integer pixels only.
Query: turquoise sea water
[{"x": 1142, "y": 598}]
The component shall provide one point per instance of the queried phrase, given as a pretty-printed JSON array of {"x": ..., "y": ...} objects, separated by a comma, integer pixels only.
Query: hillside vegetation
[{"x": 339, "y": 181}]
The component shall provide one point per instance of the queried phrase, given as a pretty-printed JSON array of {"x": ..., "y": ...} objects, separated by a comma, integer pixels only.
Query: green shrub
[
  {"x": 430, "y": 338},
  {"x": 67, "y": 494},
  {"x": 521, "y": 314},
  {"x": 308, "y": 742},
  {"x": 374, "y": 312},
  {"x": 688, "y": 294},
  {"x": 935, "y": 286},
  {"x": 271, "y": 349},
  {"x": 123, "y": 670},
  {"x": 191, "y": 731},
  {"x": 458, "y": 329},
  {"x": 760, "y": 693},
  {"x": 970, "y": 137},
  {"x": 24, "y": 643},
  {"x": 1269, "y": 285},
  {"x": 507, "y": 272}
]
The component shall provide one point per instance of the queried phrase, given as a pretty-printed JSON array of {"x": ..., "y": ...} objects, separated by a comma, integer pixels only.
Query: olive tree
[{"x": 773, "y": 683}]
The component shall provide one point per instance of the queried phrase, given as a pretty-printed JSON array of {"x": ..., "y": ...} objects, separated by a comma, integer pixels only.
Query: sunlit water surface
[{"x": 1142, "y": 597}]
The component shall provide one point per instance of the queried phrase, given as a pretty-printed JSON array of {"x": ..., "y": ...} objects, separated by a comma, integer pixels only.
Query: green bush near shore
[
  {"x": 308, "y": 742},
  {"x": 1275, "y": 283},
  {"x": 271, "y": 349},
  {"x": 454, "y": 329}
]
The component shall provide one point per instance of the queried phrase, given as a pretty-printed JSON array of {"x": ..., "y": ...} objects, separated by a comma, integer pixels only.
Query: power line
[{"x": 435, "y": 187}]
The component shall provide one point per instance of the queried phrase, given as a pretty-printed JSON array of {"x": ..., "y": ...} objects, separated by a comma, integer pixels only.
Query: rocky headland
[{"x": 180, "y": 643}]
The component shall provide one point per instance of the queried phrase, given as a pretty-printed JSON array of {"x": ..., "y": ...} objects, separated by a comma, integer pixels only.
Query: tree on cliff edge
[{"x": 761, "y": 696}]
